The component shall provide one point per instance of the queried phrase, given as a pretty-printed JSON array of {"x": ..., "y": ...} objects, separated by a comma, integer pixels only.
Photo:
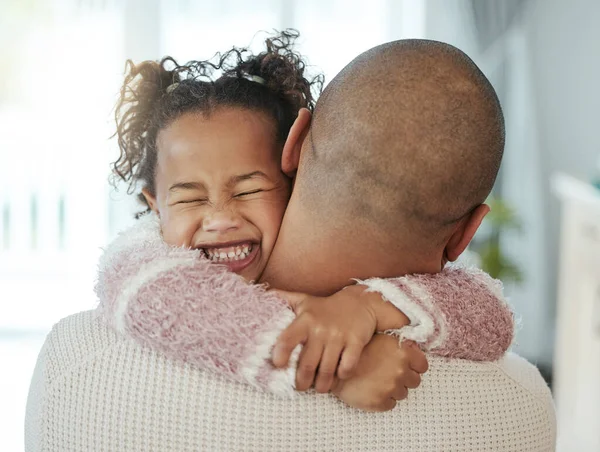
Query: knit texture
[
  {"x": 457, "y": 313},
  {"x": 95, "y": 390},
  {"x": 176, "y": 301}
]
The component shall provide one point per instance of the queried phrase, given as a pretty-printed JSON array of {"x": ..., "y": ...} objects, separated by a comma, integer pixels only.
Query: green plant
[{"x": 502, "y": 218}]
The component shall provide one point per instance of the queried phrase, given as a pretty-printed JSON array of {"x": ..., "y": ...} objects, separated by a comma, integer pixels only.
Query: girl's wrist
[{"x": 388, "y": 316}]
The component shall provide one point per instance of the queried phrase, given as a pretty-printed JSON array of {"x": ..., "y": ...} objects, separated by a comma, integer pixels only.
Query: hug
[{"x": 289, "y": 284}]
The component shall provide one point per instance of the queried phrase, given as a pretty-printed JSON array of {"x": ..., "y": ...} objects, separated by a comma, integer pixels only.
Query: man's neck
[{"x": 321, "y": 264}]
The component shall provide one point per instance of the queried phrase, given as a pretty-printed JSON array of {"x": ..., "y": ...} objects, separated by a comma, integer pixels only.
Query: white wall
[{"x": 564, "y": 39}]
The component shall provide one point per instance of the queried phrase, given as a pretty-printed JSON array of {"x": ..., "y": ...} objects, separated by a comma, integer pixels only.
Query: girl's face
[{"x": 219, "y": 187}]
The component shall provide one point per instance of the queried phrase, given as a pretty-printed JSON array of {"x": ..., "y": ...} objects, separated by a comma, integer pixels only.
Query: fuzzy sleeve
[
  {"x": 458, "y": 313},
  {"x": 177, "y": 302}
]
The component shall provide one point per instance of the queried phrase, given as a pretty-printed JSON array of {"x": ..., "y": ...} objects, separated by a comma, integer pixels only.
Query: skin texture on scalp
[{"x": 405, "y": 145}]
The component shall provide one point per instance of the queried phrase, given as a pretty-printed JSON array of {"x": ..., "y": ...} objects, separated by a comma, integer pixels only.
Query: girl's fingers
[
  {"x": 412, "y": 379},
  {"x": 349, "y": 360},
  {"x": 418, "y": 360},
  {"x": 307, "y": 364},
  {"x": 400, "y": 393},
  {"x": 388, "y": 405},
  {"x": 288, "y": 340},
  {"x": 328, "y": 365}
]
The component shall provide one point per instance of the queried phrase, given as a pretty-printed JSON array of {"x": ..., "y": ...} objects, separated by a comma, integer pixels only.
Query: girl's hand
[
  {"x": 334, "y": 331},
  {"x": 385, "y": 373}
]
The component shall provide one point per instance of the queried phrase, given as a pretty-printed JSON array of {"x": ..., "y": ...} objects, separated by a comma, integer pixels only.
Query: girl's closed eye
[
  {"x": 248, "y": 193},
  {"x": 192, "y": 201}
]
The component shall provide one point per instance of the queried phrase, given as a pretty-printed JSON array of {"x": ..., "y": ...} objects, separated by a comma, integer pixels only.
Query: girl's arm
[
  {"x": 176, "y": 301},
  {"x": 457, "y": 313}
]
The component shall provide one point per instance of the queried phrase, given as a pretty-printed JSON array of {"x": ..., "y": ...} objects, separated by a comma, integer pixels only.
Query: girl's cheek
[
  {"x": 178, "y": 230},
  {"x": 171, "y": 235}
]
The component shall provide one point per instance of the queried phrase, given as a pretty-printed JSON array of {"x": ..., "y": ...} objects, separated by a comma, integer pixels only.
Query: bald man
[
  {"x": 405, "y": 144},
  {"x": 391, "y": 178}
]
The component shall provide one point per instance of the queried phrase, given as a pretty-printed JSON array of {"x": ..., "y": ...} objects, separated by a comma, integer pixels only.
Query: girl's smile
[
  {"x": 219, "y": 187},
  {"x": 236, "y": 256}
]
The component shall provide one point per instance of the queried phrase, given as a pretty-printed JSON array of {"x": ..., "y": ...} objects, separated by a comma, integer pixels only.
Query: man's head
[{"x": 404, "y": 148}]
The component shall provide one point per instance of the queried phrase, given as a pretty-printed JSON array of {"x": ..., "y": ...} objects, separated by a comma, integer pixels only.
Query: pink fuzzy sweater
[{"x": 177, "y": 302}]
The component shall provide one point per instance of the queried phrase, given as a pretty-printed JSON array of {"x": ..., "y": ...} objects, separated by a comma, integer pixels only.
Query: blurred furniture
[{"x": 577, "y": 355}]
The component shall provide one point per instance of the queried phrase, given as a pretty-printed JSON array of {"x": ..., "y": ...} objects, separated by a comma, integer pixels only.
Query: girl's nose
[{"x": 221, "y": 222}]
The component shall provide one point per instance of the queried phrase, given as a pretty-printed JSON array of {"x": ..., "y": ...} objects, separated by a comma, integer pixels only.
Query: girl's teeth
[{"x": 236, "y": 254}]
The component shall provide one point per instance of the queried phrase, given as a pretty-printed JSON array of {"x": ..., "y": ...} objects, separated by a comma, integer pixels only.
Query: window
[{"x": 61, "y": 66}]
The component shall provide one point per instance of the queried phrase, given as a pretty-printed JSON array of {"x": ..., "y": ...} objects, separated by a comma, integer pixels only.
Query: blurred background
[{"x": 61, "y": 65}]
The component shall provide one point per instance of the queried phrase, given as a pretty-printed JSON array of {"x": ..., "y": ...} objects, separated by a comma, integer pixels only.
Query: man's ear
[
  {"x": 466, "y": 229},
  {"x": 290, "y": 158},
  {"x": 150, "y": 199}
]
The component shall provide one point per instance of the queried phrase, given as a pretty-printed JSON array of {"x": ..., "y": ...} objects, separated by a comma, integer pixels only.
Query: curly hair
[{"x": 154, "y": 94}]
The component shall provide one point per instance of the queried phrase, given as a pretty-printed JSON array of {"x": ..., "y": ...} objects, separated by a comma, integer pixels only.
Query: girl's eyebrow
[
  {"x": 187, "y": 186},
  {"x": 233, "y": 181},
  {"x": 242, "y": 177}
]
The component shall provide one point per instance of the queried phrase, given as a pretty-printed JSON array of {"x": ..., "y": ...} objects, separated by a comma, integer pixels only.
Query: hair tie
[
  {"x": 172, "y": 87},
  {"x": 255, "y": 78}
]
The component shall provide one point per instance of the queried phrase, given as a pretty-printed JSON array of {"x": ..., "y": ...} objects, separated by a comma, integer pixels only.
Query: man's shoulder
[
  {"x": 76, "y": 339},
  {"x": 140, "y": 394},
  {"x": 78, "y": 321},
  {"x": 510, "y": 391},
  {"x": 83, "y": 337},
  {"x": 511, "y": 371},
  {"x": 526, "y": 375},
  {"x": 85, "y": 327}
]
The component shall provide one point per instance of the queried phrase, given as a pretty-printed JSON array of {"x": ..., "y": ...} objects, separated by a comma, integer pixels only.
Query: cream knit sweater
[{"x": 93, "y": 390}]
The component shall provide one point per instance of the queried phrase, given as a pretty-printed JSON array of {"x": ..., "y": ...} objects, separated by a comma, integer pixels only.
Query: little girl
[{"x": 206, "y": 152}]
